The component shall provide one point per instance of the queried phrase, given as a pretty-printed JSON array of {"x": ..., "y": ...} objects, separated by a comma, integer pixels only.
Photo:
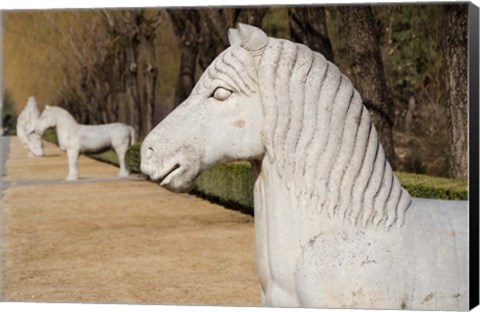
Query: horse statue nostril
[
  {"x": 149, "y": 153},
  {"x": 147, "y": 163}
]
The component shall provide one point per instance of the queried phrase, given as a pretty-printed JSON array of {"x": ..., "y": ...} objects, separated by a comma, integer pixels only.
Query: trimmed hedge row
[
  {"x": 50, "y": 135},
  {"x": 420, "y": 185},
  {"x": 132, "y": 158},
  {"x": 109, "y": 157},
  {"x": 231, "y": 184}
]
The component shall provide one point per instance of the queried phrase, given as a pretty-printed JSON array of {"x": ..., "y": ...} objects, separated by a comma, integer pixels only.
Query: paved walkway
[
  {"x": 109, "y": 240},
  {"x": 4, "y": 149}
]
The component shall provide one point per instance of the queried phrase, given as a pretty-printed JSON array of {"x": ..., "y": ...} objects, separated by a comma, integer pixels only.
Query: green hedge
[
  {"x": 50, "y": 135},
  {"x": 231, "y": 184},
  {"x": 132, "y": 159},
  {"x": 109, "y": 157},
  {"x": 420, "y": 185}
]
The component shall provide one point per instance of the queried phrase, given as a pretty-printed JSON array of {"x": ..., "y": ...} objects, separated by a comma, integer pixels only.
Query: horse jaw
[{"x": 175, "y": 175}]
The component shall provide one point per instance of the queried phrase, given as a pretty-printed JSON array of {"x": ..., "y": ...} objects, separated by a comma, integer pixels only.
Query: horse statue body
[
  {"x": 333, "y": 226},
  {"x": 26, "y": 122},
  {"x": 75, "y": 138}
]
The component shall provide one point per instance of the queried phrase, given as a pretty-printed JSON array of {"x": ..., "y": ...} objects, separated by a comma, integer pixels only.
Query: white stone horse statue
[
  {"x": 75, "y": 138},
  {"x": 333, "y": 226},
  {"x": 26, "y": 122}
]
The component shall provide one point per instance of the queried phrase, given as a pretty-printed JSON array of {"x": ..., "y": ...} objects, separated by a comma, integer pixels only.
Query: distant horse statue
[
  {"x": 26, "y": 122},
  {"x": 75, "y": 138},
  {"x": 333, "y": 226}
]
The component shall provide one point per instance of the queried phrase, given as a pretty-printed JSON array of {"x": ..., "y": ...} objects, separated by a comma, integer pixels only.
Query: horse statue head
[
  {"x": 271, "y": 99},
  {"x": 223, "y": 114},
  {"x": 26, "y": 123}
]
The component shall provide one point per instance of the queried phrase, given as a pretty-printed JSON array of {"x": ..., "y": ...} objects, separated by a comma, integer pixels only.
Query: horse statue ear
[
  {"x": 234, "y": 37},
  {"x": 252, "y": 38}
]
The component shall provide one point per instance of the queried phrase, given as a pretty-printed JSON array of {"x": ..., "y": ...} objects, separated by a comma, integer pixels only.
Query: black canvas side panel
[{"x": 473, "y": 152}]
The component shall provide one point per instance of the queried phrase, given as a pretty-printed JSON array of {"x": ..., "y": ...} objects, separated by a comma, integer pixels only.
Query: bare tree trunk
[
  {"x": 308, "y": 26},
  {"x": 214, "y": 25},
  {"x": 367, "y": 74},
  {"x": 150, "y": 72},
  {"x": 454, "y": 43},
  {"x": 213, "y": 35},
  {"x": 131, "y": 83},
  {"x": 118, "y": 68},
  {"x": 141, "y": 71},
  {"x": 146, "y": 75},
  {"x": 187, "y": 29},
  {"x": 205, "y": 31},
  {"x": 251, "y": 16}
]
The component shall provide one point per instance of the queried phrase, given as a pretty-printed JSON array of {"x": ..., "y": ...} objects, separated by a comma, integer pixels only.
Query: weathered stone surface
[
  {"x": 333, "y": 226},
  {"x": 26, "y": 122},
  {"x": 75, "y": 138}
]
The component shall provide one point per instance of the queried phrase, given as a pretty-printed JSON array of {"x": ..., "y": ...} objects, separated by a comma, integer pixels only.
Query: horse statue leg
[
  {"x": 121, "y": 151},
  {"x": 72, "y": 154}
]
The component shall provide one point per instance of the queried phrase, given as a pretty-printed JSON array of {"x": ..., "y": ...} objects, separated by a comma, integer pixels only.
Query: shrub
[
  {"x": 8, "y": 115},
  {"x": 420, "y": 185},
  {"x": 231, "y": 184}
]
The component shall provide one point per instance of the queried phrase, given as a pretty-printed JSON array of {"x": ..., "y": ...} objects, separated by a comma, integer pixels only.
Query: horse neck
[
  {"x": 281, "y": 211},
  {"x": 303, "y": 217},
  {"x": 65, "y": 122}
]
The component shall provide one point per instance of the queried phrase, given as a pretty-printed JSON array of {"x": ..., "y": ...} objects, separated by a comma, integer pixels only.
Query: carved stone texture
[
  {"x": 333, "y": 226},
  {"x": 75, "y": 138},
  {"x": 26, "y": 122}
]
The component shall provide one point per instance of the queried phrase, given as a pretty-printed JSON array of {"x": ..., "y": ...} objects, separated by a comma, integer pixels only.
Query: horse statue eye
[{"x": 221, "y": 94}]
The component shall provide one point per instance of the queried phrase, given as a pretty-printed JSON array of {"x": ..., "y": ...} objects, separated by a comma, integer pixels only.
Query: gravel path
[{"x": 109, "y": 240}]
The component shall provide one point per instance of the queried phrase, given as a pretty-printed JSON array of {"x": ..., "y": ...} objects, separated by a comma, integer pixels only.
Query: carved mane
[{"x": 322, "y": 140}]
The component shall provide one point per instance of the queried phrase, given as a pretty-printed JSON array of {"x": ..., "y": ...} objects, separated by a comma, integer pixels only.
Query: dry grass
[{"x": 120, "y": 242}]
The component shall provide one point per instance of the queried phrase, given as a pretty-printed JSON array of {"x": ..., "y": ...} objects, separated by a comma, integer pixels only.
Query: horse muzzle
[{"x": 174, "y": 171}]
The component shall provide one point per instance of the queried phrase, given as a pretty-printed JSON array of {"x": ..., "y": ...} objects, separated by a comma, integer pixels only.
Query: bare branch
[
  {"x": 109, "y": 18},
  {"x": 76, "y": 51}
]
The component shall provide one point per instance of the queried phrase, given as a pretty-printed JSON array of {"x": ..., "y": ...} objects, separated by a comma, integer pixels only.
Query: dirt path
[{"x": 117, "y": 241}]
